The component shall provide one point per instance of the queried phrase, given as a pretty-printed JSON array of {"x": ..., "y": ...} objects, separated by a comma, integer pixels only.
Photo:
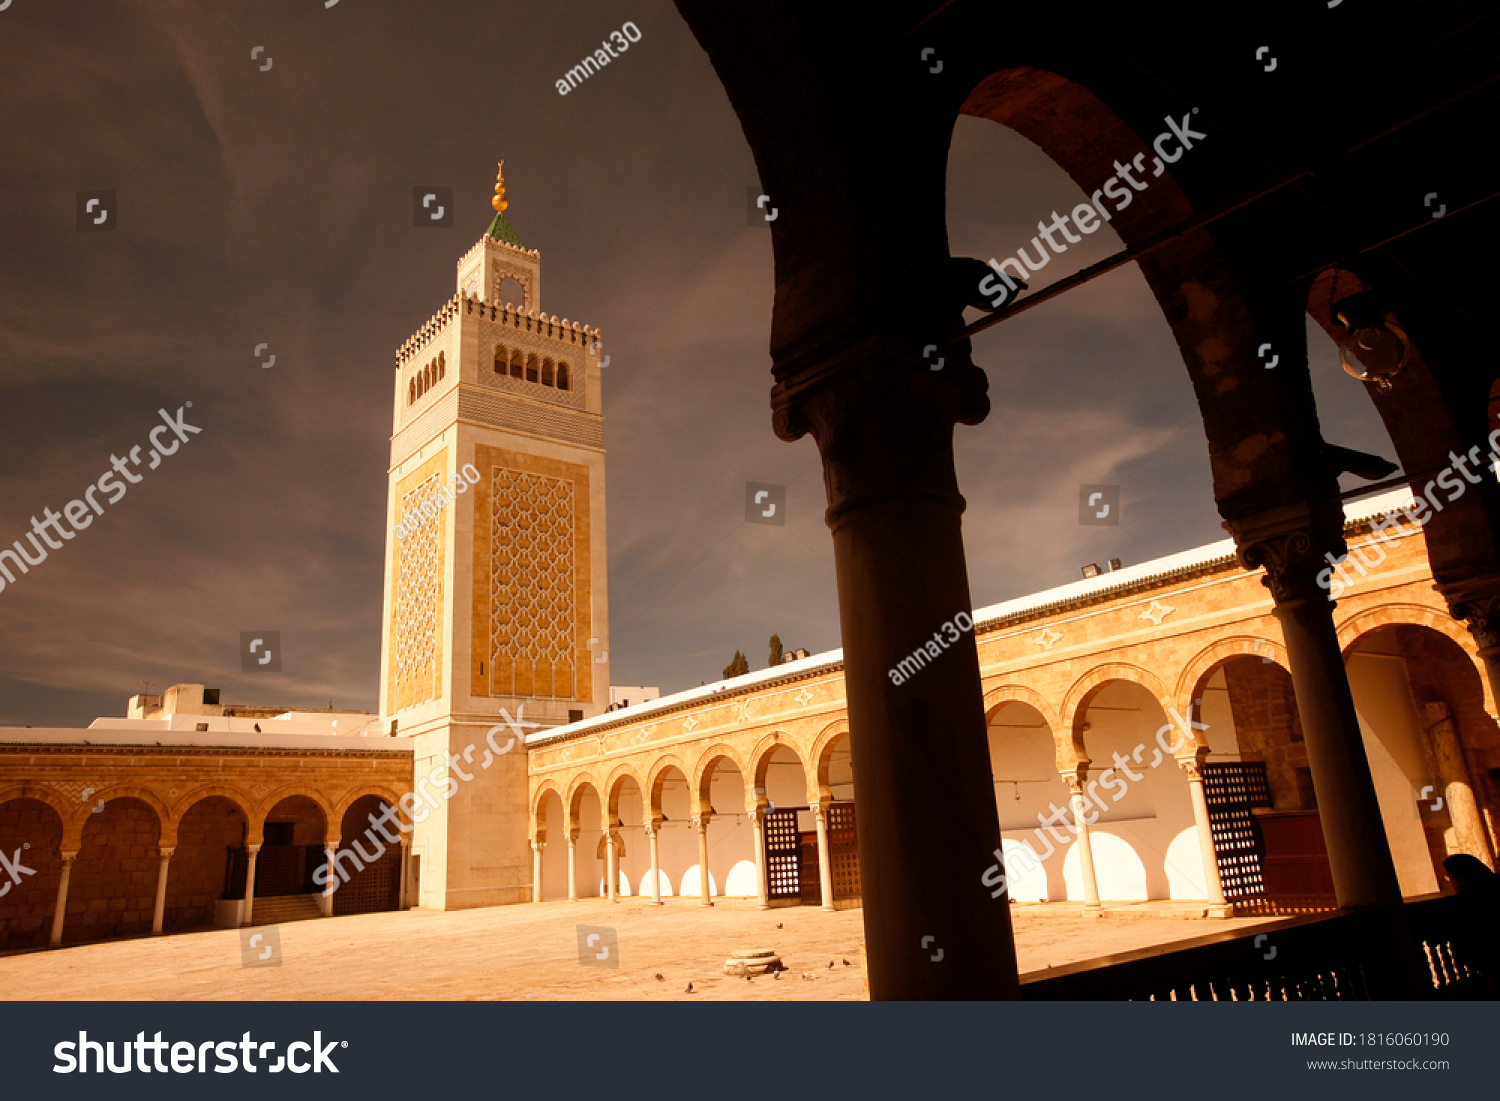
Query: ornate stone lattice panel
[
  {"x": 417, "y": 604},
  {"x": 532, "y": 571}
]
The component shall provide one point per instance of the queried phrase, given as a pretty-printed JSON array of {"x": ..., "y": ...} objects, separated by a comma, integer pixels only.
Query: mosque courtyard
[{"x": 532, "y": 952}]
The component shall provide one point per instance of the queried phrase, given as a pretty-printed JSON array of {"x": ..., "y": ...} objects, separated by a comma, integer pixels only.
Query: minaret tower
[{"x": 495, "y": 563}]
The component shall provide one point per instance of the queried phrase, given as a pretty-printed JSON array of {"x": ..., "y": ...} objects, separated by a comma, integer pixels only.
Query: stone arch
[
  {"x": 1366, "y": 620},
  {"x": 1202, "y": 664},
  {"x": 41, "y": 793},
  {"x": 291, "y": 791},
  {"x": 355, "y": 794},
  {"x": 208, "y": 791},
  {"x": 538, "y": 801},
  {"x": 1070, "y": 744},
  {"x": 610, "y": 805},
  {"x": 760, "y": 757},
  {"x": 1210, "y": 291},
  {"x": 1359, "y": 624},
  {"x": 820, "y": 755},
  {"x": 702, "y": 776},
  {"x": 997, "y": 697},
  {"x": 563, "y": 382},
  {"x": 656, "y": 776},
  {"x": 168, "y": 823},
  {"x": 574, "y": 799}
]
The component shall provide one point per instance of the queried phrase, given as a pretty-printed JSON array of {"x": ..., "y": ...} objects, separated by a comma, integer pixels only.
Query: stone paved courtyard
[{"x": 515, "y": 952}]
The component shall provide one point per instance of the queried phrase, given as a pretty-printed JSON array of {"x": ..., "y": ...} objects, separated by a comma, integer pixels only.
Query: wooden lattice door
[
  {"x": 783, "y": 856},
  {"x": 376, "y": 886},
  {"x": 843, "y": 850},
  {"x": 1231, "y": 789}
]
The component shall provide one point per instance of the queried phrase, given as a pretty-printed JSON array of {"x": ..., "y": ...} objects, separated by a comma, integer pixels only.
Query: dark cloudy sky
[{"x": 274, "y": 206}]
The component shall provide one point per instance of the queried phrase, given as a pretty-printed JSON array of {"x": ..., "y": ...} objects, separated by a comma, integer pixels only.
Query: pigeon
[
  {"x": 689, "y": 989},
  {"x": 778, "y": 925},
  {"x": 749, "y": 977},
  {"x": 660, "y": 978},
  {"x": 775, "y": 974},
  {"x": 830, "y": 965},
  {"x": 848, "y": 964}
]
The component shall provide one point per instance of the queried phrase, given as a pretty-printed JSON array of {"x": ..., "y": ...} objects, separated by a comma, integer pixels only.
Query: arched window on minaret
[
  {"x": 532, "y": 370},
  {"x": 516, "y": 363},
  {"x": 502, "y": 360},
  {"x": 562, "y": 376},
  {"x": 547, "y": 379},
  {"x": 442, "y": 365},
  {"x": 411, "y": 390}
]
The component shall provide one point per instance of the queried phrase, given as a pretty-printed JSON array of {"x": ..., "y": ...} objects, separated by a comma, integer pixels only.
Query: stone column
[
  {"x": 537, "y": 847},
  {"x": 883, "y": 418},
  {"x": 611, "y": 866},
  {"x": 1358, "y": 855},
  {"x": 158, "y": 916},
  {"x": 403, "y": 901},
  {"x": 700, "y": 823},
  {"x": 1079, "y": 806},
  {"x": 757, "y": 828},
  {"x": 247, "y": 910},
  {"x": 652, "y": 835},
  {"x": 1476, "y": 603},
  {"x": 1193, "y": 768},
  {"x": 331, "y": 847},
  {"x": 825, "y": 861},
  {"x": 60, "y": 909},
  {"x": 572, "y": 867},
  {"x": 1451, "y": 771}
]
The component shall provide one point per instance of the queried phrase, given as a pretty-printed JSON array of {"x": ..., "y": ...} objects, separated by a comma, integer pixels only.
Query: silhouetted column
[
  {"x": 883, "y": 418},
  {"x": 1192, "y": 767},
  {"x": 757, "y": 828},
  {"x": 247, "y": 910},
  {"x": 159, "y": 914},
  {"x": 652, "y": 831},
  {"x": 60, "y": 909},
  {"x": 611, "y": 867},
  {"x": 700, "y": 823},
  {"x": 536, "y": 870},
  {"x": 1079, "y": 807},
  {"x": 825, "y": 862},
  {"x": 1358, "y": 856},
  {"x": 572, "y": 867}
]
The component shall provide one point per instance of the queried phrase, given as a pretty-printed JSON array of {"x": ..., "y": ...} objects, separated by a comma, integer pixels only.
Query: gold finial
[{"x": 498, "y": 202}]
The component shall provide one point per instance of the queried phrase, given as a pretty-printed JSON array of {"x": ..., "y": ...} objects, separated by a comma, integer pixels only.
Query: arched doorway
[
  {"x": 112, "y": 890},
  {"x": 368, "y": 863},
  {"x": 208, "y": 835},
  {"x": 31, "y": 834}
]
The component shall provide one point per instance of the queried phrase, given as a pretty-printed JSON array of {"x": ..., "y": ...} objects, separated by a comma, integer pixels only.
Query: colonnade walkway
[{"x": 512, "y": 952}]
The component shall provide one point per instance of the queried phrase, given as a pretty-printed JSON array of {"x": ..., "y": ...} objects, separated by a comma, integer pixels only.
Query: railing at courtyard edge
[{"x": 1313, "y": 958}]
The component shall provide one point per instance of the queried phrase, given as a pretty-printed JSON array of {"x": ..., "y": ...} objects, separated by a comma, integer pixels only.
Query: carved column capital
[
  {"x": 883, "y": 419},
  {"x": 1290, "y": 543},
  {"x": 164, "y": 853},
  {"x": 1192, "y": 764},
  {"x": 819, "y": 812},
  {"x": 1076, "y": 777},
  {"x": 1475, "y": 602},
  {"x": 756, "y": 817},
  {"x": 651, "y": 828},
  {"x": 700, "y": 822},
  {"x": 252, "y": 849},
  {"x": 68, "y": 857}
]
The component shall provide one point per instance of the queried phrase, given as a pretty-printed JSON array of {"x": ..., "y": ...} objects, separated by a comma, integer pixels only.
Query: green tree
[
  {"x": 775, "y": 652},
  {"x": 738, "y": 667}
]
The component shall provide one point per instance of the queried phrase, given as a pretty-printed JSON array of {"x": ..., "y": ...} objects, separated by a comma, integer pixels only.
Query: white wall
[{"x": 1394, "y": 747}]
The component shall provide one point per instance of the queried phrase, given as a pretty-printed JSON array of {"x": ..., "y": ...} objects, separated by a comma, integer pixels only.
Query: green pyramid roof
[{"x": 501, "y": 230}]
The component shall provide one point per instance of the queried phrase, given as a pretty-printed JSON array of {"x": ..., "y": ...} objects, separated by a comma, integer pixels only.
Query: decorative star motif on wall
[
  {"x": 803, "y": 697},
  {"x": 1157, "y": 612},
  {"x": 1047, "y": 639},
  {"x": 690, "y": 723}
]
